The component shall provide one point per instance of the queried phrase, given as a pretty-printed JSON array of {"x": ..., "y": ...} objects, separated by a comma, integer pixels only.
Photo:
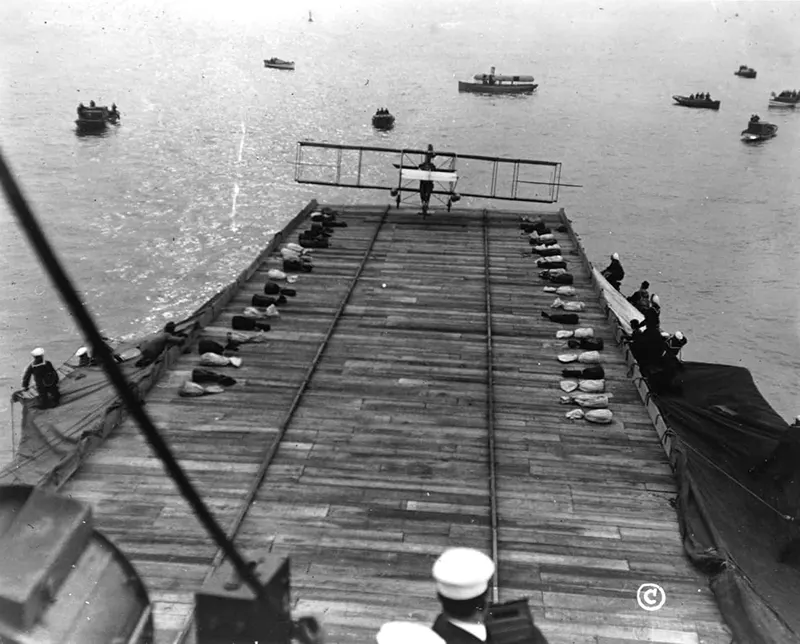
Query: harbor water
[{"x": 156, "y": 215}]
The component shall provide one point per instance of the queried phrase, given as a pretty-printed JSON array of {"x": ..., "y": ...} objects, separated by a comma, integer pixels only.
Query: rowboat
[
  {"x": 745, "y": 72},
  {"x": 757, "y": 130},
  {"x": 96, "y": 118},
  {"x": 277, "y": 63},
  {"x": 787, "y": 98},
  {"x": 686, "y": 101},
  {"x": 492, "y": 83},
  {"x": 383, "y": 120}
]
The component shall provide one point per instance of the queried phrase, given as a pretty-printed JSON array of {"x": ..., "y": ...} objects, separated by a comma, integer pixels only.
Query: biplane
[{"x": 406, "y": 173}]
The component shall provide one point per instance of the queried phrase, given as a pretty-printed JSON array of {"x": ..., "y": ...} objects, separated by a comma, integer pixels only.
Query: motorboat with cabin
[
  {"x": 383, "y": 119},
  {"x": 493, "y": 83},
  {"x": 703, "y": 101},
  {"x": 787, "y": 98},
  {"x": 96, "y": 118},
  {"x": 758, "y": 130},
  {"x": 745, "y": 72},
  {"x": 277, "y": 63}
]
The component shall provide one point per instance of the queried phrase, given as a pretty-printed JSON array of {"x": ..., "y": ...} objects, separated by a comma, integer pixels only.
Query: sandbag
[
  {"x": 568, "y": 357},
  {"x": 288, "y": 253},
  {"x": 568, "y": 385},
  {"x": 206, "y": 375},
  {"x": 557, "y": 276},
  {"x": 288, "y": 292},
  {"x": 595, "y": 372},
  {"x": 263, "y": 301},
  {"x": 546, "y": 251},
  {"x": 553, "y": 264},
  {"x": 564, "y": 333},
  {"x": 575, "y": 414},
  {"x": 209, "y": 346},
  {"x": 241, "y": 323},
  {"x": 191, "y": 390},
  {"x": 600, "y": 416},
  {"x": 567, "y": 306},
  {"x": 565, "y": 291},
  {"x": 584, "y": 333},
  {"x": 275, "y": 274},
  {"x": 213, "y": 360},
  {"x": 547, "y": 237},
  {"x": 296, "y": 266},
  {"x": 591, "y": 401},
  {"x": 590, "y": 344},
  {"x": 589, "y": 357},
  {"x": 592, "y": 386},
  {"x": 546, "y": 261},
  {"x": 298, "y": 248},
  {"x": 563, "y": 318}
]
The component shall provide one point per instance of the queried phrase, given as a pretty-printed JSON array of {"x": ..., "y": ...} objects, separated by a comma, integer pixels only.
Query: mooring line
[
  {"x": 273, "y": 447},
  {"x": 490, "y": 407}
]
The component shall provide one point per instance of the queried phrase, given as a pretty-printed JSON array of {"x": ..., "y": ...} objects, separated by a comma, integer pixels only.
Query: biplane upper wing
[{"x": 377, "y": 168}]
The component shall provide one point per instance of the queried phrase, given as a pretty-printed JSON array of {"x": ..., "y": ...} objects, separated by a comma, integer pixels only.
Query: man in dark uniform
[
  {"x": 46, "y": 378},
  {"x": 614, "y": 272}
]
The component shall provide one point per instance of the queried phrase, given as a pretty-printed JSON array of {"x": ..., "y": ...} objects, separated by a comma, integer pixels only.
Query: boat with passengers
[
  {"x": 96, "y": 118},
  {"x": 409, "y": 395},
  {"x": 758, "y": 130},
  {"x": 745, "y": 72},
  {"x": 787, "y": 98},
  {"x": 703, "y": 101},
  {"x": 493, "y": 83},
  {"x": 277, "y": 63}
]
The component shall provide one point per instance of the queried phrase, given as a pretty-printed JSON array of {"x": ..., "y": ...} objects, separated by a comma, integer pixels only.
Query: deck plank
[{"x": 385, "y": 462}]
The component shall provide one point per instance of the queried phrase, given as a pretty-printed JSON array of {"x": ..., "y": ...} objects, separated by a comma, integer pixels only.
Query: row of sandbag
[
  {"x": 296, "y": 258},
  {"x": 588, "y": 381}
]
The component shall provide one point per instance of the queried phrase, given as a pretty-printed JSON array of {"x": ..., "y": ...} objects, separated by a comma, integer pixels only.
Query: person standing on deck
[
  {"x": 641, "y": 298},
  {"x": 46, "y": 378},
  {"x": 462, "y": 578}
]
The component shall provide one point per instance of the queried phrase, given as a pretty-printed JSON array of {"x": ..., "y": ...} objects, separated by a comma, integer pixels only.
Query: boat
[
  {"x": 758, "y": 130},
  {"x": 787, "y": 98},
  {"x": 96, "y": 118},
  {"x": 310, "y": 19},
  {"x": 277, "y": 63},
  {"x": 745, "y": 72},
  {"x": 383, "y": 119},
  {"x": 410, "y": 396},
  {"x": 689, "y": 101},
  {"x": 492, "y": 83}
]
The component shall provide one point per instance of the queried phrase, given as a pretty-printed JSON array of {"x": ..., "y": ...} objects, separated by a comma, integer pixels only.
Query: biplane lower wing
[{"x": 398, "y": 170}]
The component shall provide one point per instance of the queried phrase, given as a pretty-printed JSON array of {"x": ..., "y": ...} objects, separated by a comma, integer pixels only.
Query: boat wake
[{"x": 238, "y": 161}]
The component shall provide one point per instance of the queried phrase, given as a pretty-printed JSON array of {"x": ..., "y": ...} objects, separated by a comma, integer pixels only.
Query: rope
[
  {"x": 64, "y": 285},
  {"x": 493, "y": 520},
  {"x": 272, "y": 449}
]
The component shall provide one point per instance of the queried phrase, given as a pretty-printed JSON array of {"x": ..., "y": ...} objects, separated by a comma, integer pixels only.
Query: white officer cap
[
  {"x": 37, "y": 352},
  {"x": 462, "y": 573},
  {"x": 679, "y": 335},
  {"x": 615, "y": 256},
  {"x": 407, "y": 633},
  {"x": 82, "y": 351},
  {"x": 656, "y": 300}
]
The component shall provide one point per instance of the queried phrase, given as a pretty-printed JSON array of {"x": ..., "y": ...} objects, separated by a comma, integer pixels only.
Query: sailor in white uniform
[
  {"x": 462, "y": 582},
  {"x": 407, "y": 633}
]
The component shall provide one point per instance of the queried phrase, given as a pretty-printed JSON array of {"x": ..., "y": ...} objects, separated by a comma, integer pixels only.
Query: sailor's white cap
[
  {"x": 679, "y": 335},
  {"x": 82, "y": 351},
  {"x": 462, "y": 573},
  {"x": 615, "y": 256},
  {"x": 797, "y": 420},
  {"x": 664, "y": 334},
  {"x": 655, "y": 300},
  {"x": 407, "y": 633},
  {"x": 37, "y": 352}
]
